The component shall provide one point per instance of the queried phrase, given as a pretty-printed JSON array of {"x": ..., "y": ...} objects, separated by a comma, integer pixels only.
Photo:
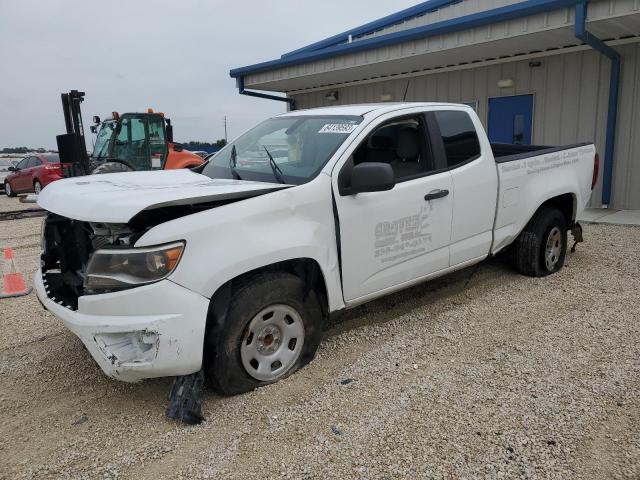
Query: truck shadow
[{"x": 404, "y": 301}]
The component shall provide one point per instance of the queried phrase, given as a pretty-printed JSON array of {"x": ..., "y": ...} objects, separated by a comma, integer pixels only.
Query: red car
[{"x": 33, "y": 173}]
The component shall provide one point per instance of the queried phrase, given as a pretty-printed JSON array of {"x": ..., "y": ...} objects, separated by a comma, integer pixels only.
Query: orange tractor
[
  {"x": 138, "y": 141},
  {"x": 127, "y": 142}
]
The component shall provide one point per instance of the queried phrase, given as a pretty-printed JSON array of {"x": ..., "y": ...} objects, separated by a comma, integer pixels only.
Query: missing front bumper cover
[{"x": 185, "y": 399}]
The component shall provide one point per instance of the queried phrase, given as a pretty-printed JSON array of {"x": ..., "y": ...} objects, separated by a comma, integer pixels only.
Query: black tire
[
  {"x": 8, "y": 190},
  {"x": 223, "y": 363},
  {"x": 110, "y": 167},
  {"x": 37, "y": 184},
  {"x": 531, "y": 244}
]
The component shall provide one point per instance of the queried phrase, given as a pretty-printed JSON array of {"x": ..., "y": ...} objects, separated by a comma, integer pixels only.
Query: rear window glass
[
  {"x": 458, "y": 135},
  {"x": 52, "y": 158}
]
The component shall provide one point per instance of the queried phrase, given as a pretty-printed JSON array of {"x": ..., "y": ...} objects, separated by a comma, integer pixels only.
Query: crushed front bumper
[{"x": 155, "y": 330}]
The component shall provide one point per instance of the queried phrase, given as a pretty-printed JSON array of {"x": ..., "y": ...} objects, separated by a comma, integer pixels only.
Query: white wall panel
[{"x": 570, "y": 104}]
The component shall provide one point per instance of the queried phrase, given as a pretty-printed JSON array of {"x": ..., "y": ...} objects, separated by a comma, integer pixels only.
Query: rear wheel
[
  {"x": 542, "y": 245},
  {"x": 37, "y": 187},
  {"x": 8, "y": 190},
  {"x": 110, "y": 167},
  {"x": 272, "y": 328}
]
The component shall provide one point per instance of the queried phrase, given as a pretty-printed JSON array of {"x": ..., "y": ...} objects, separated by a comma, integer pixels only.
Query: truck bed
[
  {"x": 528, "y": 175},
  {"x": 508, "y": 152}
]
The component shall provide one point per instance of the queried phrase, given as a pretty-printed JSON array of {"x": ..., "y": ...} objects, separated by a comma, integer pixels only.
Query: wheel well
[
  {"x": 566, "y": 204},
  {"x": 305, "y": 268}
]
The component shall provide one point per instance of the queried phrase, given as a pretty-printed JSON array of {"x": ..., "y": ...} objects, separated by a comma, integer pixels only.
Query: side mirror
[
  {"x": 13, "y": 169},
  {"x": 93, "y": 128},
  {"x": 372, "y": 177}
]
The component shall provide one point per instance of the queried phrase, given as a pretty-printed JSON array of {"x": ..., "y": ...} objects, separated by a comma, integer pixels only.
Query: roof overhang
[{"x": 498, "y": 33}]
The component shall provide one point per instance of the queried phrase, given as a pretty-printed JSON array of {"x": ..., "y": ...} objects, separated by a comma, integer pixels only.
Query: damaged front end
[
  {"x": 82, "y": 258},
  {"x": 89, "y": 257},
  {"x": 67, "y": 248},
  {"x": 87, "y": 250}
]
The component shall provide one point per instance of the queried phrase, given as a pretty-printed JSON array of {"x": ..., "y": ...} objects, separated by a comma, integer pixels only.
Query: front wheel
[
  {"x": 272, "y": 328},
  {"x": 542, "y": 245},
  {"x": 8, "y": 190}
]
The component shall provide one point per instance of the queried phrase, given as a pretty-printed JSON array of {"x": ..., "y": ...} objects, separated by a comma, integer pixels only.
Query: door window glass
[
  {"x": 473, "y": 105},
  {"x": 458, "y": 135},
  {"x": 131, "y": 146},
  {"x": 157, "y": 141},
  {"x": 101, "y": 148},
  {"x": 23, "y": 163},
  {"x": 518, "y": 128},
  {"x": 401, "y": 144}
]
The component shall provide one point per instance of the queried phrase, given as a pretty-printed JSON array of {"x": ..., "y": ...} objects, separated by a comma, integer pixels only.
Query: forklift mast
[{"x": 72, "y": 147}]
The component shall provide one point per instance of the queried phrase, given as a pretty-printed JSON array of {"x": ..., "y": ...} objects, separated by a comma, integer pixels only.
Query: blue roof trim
[
  {"x": 501, "y": 14},
  {"x": 421, "y": 9}
]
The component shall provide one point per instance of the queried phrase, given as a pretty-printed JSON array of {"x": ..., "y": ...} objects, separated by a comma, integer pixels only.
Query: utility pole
[{"x": 225, "y": 128}]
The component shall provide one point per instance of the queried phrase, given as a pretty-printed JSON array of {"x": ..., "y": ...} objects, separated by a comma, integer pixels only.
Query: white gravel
[{"x": 508, "y": 377}]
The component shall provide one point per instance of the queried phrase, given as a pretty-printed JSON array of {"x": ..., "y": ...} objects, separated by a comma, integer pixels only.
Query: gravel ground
[
  {"x": 483, "y": 373},
  {"x": 14, "y": 203}
]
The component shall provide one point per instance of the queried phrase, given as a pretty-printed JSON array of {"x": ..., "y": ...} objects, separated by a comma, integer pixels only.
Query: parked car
[
  {"x": 33, "y": 173},
  {"x": 236, "y": 266}
]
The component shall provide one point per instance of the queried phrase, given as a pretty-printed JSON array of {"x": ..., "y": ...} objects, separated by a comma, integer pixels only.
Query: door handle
[{"x": 433, "y": 194}]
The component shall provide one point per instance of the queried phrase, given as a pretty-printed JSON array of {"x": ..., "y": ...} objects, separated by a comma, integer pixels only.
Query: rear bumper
[{"x": 151, "y": 331}]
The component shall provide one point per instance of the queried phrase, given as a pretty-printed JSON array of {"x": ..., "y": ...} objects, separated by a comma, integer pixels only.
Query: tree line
[
  {"x": 194, "y": 145},
  {"x": 22, "y": 150}
]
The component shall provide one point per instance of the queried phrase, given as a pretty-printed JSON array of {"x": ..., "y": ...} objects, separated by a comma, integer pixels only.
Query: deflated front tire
[{"x": 272, "y": 328}]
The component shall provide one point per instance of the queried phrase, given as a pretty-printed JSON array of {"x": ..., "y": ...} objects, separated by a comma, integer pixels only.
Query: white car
[{"x": 236, "y": 267}]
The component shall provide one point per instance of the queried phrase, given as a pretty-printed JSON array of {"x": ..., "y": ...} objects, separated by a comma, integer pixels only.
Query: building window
[{"x": 473, "y": 104}]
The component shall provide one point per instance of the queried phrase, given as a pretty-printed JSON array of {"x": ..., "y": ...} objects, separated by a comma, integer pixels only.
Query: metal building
[{"x": 547, "y": 72}]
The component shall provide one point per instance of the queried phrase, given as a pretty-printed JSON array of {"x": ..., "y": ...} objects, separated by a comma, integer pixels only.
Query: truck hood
[{"x": 118, "y": 197}]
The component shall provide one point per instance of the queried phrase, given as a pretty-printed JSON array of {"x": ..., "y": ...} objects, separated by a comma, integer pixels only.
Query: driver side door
[
  {"x": 390, "y": 239},
  {"x": 21, "y": 180}
]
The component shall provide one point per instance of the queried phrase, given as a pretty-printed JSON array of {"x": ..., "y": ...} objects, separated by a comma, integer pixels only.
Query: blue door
[{"x": 511, "y": 119}]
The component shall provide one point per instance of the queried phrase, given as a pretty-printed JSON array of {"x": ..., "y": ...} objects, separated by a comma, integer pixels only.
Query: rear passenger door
[
  {"x": 475, "y": 184},
  {"x": 34, "y": 165},
  {"x": 392, "y": 238}
]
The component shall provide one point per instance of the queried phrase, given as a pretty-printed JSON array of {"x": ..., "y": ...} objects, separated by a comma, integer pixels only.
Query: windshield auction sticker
[{"x": 338, "y": 128}]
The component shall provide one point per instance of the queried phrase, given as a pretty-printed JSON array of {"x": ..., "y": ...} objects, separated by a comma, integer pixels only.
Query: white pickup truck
[{"x": 235, "y": 266}]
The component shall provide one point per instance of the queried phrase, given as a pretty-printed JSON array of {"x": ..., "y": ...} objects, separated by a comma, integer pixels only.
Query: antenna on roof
[{"x": 406, "y": 89}]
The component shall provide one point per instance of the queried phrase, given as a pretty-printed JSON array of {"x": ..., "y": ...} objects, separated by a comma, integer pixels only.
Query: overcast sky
[{"x": 173, "y": 56}]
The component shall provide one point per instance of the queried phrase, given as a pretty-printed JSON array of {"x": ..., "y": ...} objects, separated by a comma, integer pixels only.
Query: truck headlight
[{"x": 118, "y": 269}]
